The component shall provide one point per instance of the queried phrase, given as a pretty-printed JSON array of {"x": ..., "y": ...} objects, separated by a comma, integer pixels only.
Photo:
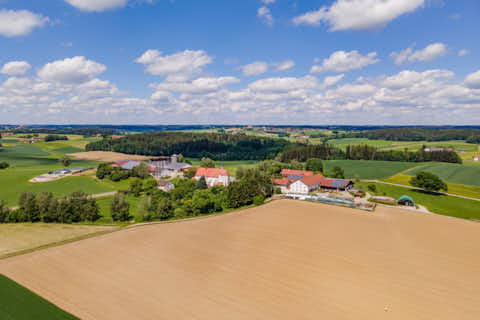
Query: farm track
[{"x": 284, "y": 260}]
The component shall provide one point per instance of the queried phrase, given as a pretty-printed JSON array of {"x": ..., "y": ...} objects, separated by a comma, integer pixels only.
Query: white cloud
[
  {"x": 179, "y": 66},
  {"x": 254, "y": 68},
  {"x": 97, "y": 5},
  {"x": 463, "y": 52},
  {"x": 200, "y": 85},
  {"x": 15, "y": 68},
  {"x": 268, "y": 1},
  {"x": 341, "y": 61},
  {"x": 358, "y": 14},
  {"x": 429, "y": 53},
  {"x": 285, "y": 65},
  {"x": 19, "y": 23},
  {"x": 71, "y": 70},
  {"x": 332, "y": 80},
  {"x": 473, "y": 80},
  {"x": 284, "y": 84},
  {"x": 265, "y": 15}
]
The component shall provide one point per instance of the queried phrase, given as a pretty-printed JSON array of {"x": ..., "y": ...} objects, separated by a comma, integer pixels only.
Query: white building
[{"x": 214, "y": 176}]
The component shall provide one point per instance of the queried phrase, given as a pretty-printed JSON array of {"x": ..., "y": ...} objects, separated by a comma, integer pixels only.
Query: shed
[{"x": 406, "y": 201}]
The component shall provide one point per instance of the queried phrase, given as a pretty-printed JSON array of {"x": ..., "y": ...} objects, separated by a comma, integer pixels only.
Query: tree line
[
  {"x": 216, "y": 146},
  {"x": 365, "y": 152},
  {"x": 418, "y": 134},
  {"x": 44, "y": 207},
  {"x": 54, "y": 137}
]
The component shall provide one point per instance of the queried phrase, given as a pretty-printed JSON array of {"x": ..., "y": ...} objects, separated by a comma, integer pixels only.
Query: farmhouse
[
  {"x": 312, "y": 183},
  {"x": 477, "y": 158},
  {"x": 214, "y": 176},
  {"x": 168, "y": 168}
]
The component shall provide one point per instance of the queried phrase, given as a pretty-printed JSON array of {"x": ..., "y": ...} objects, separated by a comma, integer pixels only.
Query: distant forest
[
  {"x": 242, "y": 147},
  {"x": 419, "y": 134},
  {"x": 194, "y": 145}
]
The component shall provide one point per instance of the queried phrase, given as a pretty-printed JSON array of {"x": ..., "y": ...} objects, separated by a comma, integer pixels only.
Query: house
[
  {"x": 307, "y": 184},
  {"x": 295, "y": 174},
  {"x": 437, "y": 149},
  {"x": 165, "y": 185},
  {"x": 168, "y": 168},
  {"x": 214, "y": 176},
  {"x": 283, "y": 184},
  {"x": 312, "y": 183},
  {"x": 477, "y": 158}
]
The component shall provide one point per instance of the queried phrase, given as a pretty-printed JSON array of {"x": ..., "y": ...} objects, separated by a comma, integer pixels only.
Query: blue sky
[{"x": 240, "y": 62}]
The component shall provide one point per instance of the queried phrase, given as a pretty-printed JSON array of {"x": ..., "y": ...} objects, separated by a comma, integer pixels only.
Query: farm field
[
  {"x": 106, "y": 156},
  {"x": 369, "y": 169},
  {"x": 436, "y": 203},
  {"x": 455, "y": 173},
  {"x": 17, "y": 237},
  {"x": 19, "y": 303},
  {"x": 284, "y": 260},
  {"x": 16, "y": 178},
  {"x": 453, "y": 188},
  {"x": 231, "y": 166}
]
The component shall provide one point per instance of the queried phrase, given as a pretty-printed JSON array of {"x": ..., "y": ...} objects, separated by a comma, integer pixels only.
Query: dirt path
[{"x": 284, "y": 260}]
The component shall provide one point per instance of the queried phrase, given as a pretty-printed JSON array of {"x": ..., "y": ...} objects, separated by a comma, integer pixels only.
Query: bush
[
  {"x": 428, "y": 181},
  {"x": 258, "y": 200},
  {"x": 278, "y": 190},
  {"x": 372, "y": 188},
  {"x": 119, "y": 208},
  {"x": 4, "y": 165}
]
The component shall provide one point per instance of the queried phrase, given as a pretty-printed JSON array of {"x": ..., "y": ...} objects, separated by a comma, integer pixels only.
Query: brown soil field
[
  {"x": 106, "y": 156},
  {"x": 25, "y": 236},
  {"x": 284, "y": 260}
]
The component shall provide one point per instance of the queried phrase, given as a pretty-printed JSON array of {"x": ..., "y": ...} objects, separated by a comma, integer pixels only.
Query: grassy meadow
[
  {"x": 369, "y": 170},
  {"x": 455, "y": 173},
  {"x": 19, "y": 303},
  {"x": 440, "y": 204}
]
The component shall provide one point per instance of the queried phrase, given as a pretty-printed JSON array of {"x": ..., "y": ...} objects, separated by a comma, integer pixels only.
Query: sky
[{"x": 274, "y": 62}]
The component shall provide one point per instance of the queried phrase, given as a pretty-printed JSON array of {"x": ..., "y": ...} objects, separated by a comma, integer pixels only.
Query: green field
[
  {"x": 16, "y": 178},
  {"x": 453, "y": 188},
  {"x": 231, "y": 166},
  {"x": 19, "y": 303},
  {"x": 365, "y": 169},
  {"x": 455, "y": 173},
  {"x": 440, "y": 204}
]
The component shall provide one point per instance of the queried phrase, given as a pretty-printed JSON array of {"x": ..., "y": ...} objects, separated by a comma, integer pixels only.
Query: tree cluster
[
  {"x": 428, "y": 181},
  {"x": 216, "y": 146},
  {"x": 44, "y": 207},
  {"x": 54, "y": 137},
  {"x": 105, "y": 170},
  {"x": 416, "y": 134}
]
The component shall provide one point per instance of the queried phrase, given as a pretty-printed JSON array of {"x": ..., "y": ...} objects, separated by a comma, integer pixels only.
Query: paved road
[{"x": 415, "y": 188}]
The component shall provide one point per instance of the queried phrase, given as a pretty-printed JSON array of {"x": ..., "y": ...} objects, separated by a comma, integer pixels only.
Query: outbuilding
[{"x": 406, "y": 201}]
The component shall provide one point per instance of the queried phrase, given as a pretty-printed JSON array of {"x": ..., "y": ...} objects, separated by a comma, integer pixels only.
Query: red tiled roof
[
  {"x": 211, "y": 172},
  {"x": 282, "y": 182},
  {"x": 313, "y": 180},
  {"x": 287, "y": 172}
]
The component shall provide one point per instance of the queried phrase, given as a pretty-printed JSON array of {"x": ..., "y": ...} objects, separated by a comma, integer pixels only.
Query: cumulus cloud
[
  {"x": 179, "y": 66},
  {"x": 358, "y": 14},
  {"x": 254, "y": 68},
  {"x": 15, "y": 68},
  {"x": 332, "y": 80},
  {"x": 265, "y": 15},
  {"x": 473, "y": 80},
  {"x": 200, "y": 85},
  {"x": 284, "y": 84},
  {"x": 429, "y": 53},
  {"x": 71, "y": 70},
  {"x": 268, "y": 1},
  {"x": 341, "y": 61},
  {"x": 463, "y": 52},
  {"x": 285, "y": 65},
  {"x": 20, "y": 23},
  {"x": 97, "y": 5}
]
